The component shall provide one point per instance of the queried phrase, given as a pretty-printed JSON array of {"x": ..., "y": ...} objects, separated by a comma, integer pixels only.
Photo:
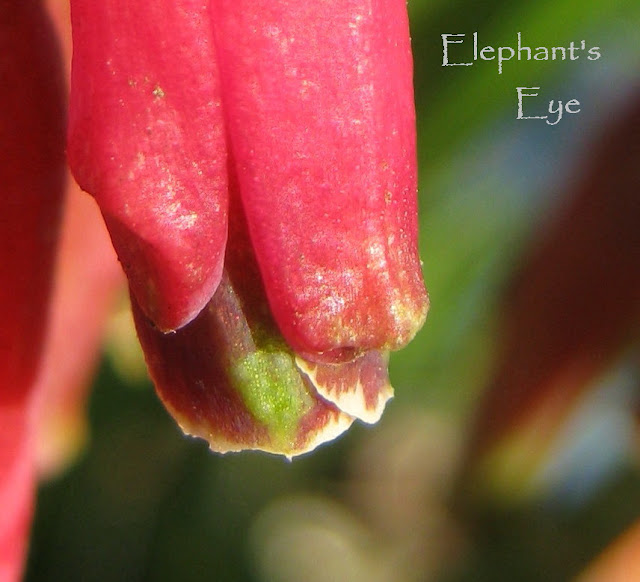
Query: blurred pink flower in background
[{"x": 51, "y": 336}]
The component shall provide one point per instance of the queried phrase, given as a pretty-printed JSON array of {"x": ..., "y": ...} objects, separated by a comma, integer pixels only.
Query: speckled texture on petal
[
  {"x": 146, "y": 139},
  {"x": 318, "y": 99}
]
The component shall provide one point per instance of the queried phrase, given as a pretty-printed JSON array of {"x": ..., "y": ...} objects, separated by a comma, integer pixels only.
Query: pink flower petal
[
  {"x": 146, "y": 139},
  {"x": 318, "y": 100}
]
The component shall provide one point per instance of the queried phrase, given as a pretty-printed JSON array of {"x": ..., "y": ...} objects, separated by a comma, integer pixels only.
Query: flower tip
[
  {"x": 385, "y": 324},
  {"x": 232, "y": 380},
  {"x": 408, "y": 315},
  {"x": 170, "y": 282},
  {"x": 359, "y": 388},
  {"x": 321, "y": 426}
]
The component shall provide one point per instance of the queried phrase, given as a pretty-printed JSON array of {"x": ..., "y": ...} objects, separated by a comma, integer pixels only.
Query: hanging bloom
[
  {"x": 255, "y": 164},
  {"x": 296, "y": 144}
]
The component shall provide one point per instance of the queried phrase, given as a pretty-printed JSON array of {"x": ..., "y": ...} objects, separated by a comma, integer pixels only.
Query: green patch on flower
[{"x": 273, "y": 391}]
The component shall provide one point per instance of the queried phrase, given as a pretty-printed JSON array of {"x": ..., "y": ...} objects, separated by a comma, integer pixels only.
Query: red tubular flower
[
  {"x": 294, "y": 125},
  {"x": 290, "y": 130},
  {"x": 87, "y": 278}
]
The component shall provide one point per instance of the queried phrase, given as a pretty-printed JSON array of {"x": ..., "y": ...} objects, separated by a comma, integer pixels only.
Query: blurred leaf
[{"x": 572, "y": 307}]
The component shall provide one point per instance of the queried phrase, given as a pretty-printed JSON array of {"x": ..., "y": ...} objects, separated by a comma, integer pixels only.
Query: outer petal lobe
[
  {"x": 319, "y": 103},
  {"x": 146, "y": 139}
]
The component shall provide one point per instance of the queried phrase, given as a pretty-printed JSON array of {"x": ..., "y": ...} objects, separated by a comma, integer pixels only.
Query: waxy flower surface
[{"x": 255, "y": 165}]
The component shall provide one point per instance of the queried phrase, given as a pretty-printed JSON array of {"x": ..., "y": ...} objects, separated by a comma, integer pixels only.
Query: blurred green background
[{"x": 146, "y": 504}]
